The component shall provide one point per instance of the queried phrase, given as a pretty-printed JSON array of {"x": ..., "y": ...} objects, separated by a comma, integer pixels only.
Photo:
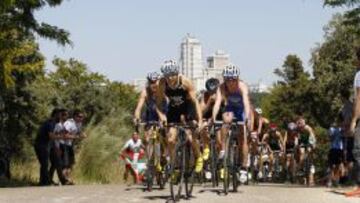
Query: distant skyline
[{"x": 126, "y": 39}]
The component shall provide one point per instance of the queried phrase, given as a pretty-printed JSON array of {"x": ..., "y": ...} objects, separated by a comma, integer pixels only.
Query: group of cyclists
[{"x": 170, "y": 100}]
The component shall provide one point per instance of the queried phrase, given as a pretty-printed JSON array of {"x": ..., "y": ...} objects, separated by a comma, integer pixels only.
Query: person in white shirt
[
  {"x": 73, "y": 129},
  {"x": 131, "y": 148}
]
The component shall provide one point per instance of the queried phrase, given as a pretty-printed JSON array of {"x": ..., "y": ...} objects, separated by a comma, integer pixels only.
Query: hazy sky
[{"x": 126, "y": 39}]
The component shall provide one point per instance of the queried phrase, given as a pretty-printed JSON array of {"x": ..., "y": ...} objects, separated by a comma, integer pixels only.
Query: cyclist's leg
[
  {"x": 205, "y": 139},
  {"x": 311, "y": 173},
  {"x": 271, "y": 161},
  {"x": 301, "y": 157},
  {"x": 171, "y": 141}
]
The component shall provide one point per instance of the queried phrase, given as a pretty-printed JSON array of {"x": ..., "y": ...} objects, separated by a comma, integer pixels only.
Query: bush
[{"x": 98, "y": 155}]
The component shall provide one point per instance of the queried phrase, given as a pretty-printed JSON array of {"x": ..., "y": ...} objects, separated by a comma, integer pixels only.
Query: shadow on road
[
  {"x": 218, "y": 191},
  {"x": 284, "y": 185},
  {"x": 141, "y": 189}
]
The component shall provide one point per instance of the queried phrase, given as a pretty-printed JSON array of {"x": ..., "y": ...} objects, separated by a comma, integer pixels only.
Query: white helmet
[
  {"x": 231, "y": 72},
  {"x": 170, "y": 67},
  {"x": 258, "y": 110}
]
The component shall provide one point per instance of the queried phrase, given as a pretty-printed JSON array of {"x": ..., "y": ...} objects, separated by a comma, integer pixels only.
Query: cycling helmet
[
  {"x": 292, "y": 126},
  {"x": 258, "y": 110},
  {"x": 231, "y": 72},
  {"x": 272, "y": 126},
  {"x": 153, "y": 76},
  {"x": 212, "y": 84},
  {"x": 169, "y": 68}
]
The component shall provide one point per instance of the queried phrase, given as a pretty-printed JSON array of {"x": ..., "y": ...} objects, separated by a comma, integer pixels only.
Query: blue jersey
[
  {"x": 235, "y": 104},
  {"x": 336, "y": 138}
]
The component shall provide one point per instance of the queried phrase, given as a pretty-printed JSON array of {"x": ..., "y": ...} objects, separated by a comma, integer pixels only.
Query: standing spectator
[
  {"x": 335, "y": 156},
  {"x": 57, "y": 155},
  {"x": 346, "y": 113},
  {"x": 355, "y": 128},
  {"x": 42, "y": 147},
  {"x": 130, "y": 152},
  {"x": 73, "y": 127}
]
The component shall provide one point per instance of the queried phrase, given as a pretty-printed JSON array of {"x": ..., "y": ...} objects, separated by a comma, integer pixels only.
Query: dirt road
[{"x": 133, "y": 194}]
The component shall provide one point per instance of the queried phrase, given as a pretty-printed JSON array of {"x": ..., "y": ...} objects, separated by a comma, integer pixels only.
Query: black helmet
[{"x": 212, "y": 84}]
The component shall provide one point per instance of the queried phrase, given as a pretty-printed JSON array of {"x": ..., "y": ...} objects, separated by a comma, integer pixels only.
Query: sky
[{"x": 126, "y": 39}]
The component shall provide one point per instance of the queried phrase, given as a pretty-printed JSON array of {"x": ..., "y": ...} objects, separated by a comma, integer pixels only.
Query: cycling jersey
[
  {"x": 179, "y": 104},
  {"x": 273, "y": 141},
  {"x": 291, "y": 141},
  {"x": 235, "y": 104},
  {"x": 208, "y": 114},
  {"x": 150, "y": 113},
  {"x": 304, "y": 138}
]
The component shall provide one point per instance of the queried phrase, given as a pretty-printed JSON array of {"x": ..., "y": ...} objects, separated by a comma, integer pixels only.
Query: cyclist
[
  {"x": 307, "y": 141},
  {"x": 259, "y": 126},
  {"x": 291, "y": 140},
  {"x": 207, "y": 102},
  {"x": 235, "y": 95},
  {"x": 259, "y": 123},
  {"x": 148, "y": 98},
  {"x": 274, "y": 142},
  {"x": 181, "y": 94}
]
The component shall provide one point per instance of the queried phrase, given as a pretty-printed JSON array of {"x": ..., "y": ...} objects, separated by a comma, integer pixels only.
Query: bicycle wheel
[
  {"x": 189, "y": 170},
  {"x": 213, "y": 164},
  {"x": 234, "y": 163},
  {"x": 150, "y": 171},
  {"x": 177, "y": 172},
  {"x": 227, "y": 165}
]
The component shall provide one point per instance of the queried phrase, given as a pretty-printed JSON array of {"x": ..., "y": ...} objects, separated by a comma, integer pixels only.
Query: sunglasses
[{"x": 231, "y": 78}]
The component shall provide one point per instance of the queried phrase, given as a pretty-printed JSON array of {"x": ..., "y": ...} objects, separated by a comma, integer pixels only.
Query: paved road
[{"x": 133, "y": 194}]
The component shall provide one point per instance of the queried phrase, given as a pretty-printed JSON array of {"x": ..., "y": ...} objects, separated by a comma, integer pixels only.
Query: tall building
[
  {"x": 216, "y": 64},
  {"x": 191, "y": 63}
]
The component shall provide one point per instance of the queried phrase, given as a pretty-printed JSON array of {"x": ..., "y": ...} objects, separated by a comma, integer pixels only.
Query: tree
[
  {"x": 24, "y": 63},
  {"x": 333, "y": 69},
  {"x": 352, "y": 17},
  {"x": 292, "y": 94},
  {"x": 19, "y": 15}
]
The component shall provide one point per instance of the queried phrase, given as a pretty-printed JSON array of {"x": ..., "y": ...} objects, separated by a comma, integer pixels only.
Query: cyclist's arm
[
  {"x": 192, "y": 96},
  {"x": 311, "y": 133},
  {"x": 140, "y": 104},
  {"x": 245, "y": 94},
  {"x": 281, "y": 141},
  {"x": 160, "y": 100},
  {"x": 265, "y": 137},
  {"x": 285, "y": 140},
  {"x": 217, "y": 104},
  {"x": 202, "y": 104}
]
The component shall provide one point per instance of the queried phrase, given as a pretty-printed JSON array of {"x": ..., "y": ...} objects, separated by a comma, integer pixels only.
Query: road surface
[{"x": 134, "y": 194}]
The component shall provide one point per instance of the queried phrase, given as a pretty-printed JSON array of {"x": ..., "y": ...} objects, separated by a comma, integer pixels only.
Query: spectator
[
  {"x": 56, "y": 148},
  {"x": 335, "y": 156},
  {"x": 131, "y": 152},
  {"x": 73, "y": 127},
  {"x": 355, "y": 128},
  {"x": 42, "y": 146}
]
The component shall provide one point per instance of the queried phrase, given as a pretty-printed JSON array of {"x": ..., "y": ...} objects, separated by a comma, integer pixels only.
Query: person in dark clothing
[
  {"x": 355, "y": 129},
  {"x": 41, "y": 146}
]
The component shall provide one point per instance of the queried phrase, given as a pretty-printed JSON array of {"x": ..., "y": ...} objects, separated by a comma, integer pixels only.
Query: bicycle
[
  {"x": 231, "y": 157},
  {"x": 291, "y": 169},
  {"x": 182, "y": 165},
  {"x": 154, "y": 149},
  {"x": 307, "y": 167}
]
